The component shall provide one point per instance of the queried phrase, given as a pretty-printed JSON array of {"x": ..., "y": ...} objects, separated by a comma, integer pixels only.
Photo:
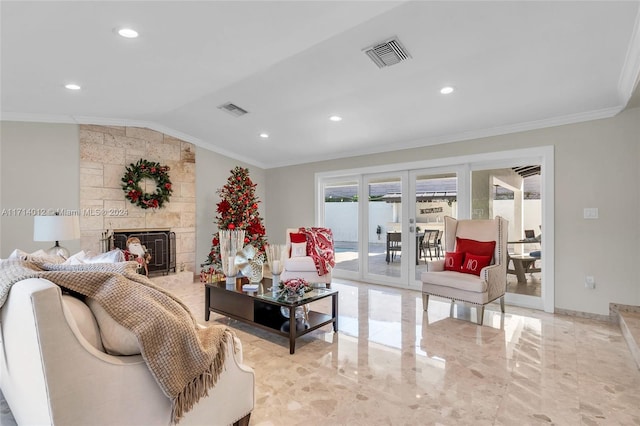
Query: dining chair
[
  {"x": 394, "y": 245},
  {"x": 429, "y": 242}
]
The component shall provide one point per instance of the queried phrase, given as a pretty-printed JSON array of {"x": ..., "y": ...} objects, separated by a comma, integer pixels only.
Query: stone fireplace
[{"x": 105, "y": 151}]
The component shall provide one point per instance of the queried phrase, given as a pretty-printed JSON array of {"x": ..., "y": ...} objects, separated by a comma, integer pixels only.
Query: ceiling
[{"x": 514, "y": 66}]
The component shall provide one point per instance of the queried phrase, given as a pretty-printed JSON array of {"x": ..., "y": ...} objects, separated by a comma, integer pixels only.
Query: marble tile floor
[{"x": 393, "y": 364}]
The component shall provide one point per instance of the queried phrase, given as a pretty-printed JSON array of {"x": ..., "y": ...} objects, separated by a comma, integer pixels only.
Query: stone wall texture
[{"x": 105, "y": 151}]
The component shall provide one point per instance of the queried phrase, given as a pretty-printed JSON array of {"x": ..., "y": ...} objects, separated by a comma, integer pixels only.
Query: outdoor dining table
[
  {"x": 522, "y": 263},
  {"x": 419, "y": 237}
]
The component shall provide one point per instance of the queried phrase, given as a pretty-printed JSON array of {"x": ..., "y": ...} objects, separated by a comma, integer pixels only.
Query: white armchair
[
  {"x": 489, "y": 285},
  {"x": 52, "y": 370},
  {"x": 302, "y": 266}
]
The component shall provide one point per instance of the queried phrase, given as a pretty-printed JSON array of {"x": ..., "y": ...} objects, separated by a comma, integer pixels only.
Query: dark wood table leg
[
  {"x": 334, "y": 311},
  {"x": 292, "y": 330},
  {"x": 207, "y": 296}
]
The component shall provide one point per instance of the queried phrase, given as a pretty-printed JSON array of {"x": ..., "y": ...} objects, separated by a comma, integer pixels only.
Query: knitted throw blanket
[
  {"x": 320, "y": 248},
  {"x": 184, "y": 359}
]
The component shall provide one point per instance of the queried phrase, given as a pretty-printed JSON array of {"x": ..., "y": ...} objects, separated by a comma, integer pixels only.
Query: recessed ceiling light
[
  {"x": 72, "y": 86},
  {"x": 446, "y": 90},
  {"x": 335, "y": 118},
  {"x": 264, "y": 135},
  {"x": 127, "y": 32}
]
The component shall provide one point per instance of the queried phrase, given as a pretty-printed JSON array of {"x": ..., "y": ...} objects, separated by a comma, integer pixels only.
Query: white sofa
[
  {"x": 302, "y": 267},
  {"x": 51, "y": 373}
]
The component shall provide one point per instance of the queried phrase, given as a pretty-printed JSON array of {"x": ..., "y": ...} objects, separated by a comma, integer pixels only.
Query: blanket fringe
[{"x": 199, "y": 386}]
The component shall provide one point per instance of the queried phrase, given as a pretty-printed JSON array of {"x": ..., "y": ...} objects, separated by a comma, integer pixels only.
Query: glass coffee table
[{"x": 262, "y": 308}]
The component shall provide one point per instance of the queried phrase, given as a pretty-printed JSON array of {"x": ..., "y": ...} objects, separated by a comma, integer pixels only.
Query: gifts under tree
[{"x": 237, "y": 209}]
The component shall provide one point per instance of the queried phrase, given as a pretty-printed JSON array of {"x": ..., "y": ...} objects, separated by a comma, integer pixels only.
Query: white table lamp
[{"x": 56, "y": 228}]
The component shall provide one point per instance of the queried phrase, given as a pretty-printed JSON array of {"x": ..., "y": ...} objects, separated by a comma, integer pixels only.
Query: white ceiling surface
[{"x": 515, "y": 66}]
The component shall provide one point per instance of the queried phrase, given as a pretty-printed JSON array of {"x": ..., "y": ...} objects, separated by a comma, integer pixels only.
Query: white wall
[
  {"x": 39, "y": 170},
  {"x": 597, "y": 164},
  {"x": 342, "y": 218},
  {"x": 532, "y": 215}
]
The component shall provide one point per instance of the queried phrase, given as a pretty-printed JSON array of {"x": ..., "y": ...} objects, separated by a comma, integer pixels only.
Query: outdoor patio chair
[
  {"x": 394, "y": 245},
  {"x": 430, "y": 242}
]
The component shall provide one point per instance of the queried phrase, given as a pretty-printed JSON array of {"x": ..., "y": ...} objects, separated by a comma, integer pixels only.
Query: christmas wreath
[{"x": 147, "y": 169}]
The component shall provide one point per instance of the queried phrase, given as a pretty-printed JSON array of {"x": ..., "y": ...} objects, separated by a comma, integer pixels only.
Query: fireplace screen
[{"x": 161, "y": 244}]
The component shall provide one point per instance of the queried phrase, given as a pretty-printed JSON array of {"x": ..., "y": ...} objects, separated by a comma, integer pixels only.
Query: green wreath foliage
[{"x": 151, "y": 170}]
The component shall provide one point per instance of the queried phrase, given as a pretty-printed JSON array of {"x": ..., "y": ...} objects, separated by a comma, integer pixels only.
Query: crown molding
[
  {"x": 37, "y": 118},
  {"x": 416, "y": 143},
  {"x": 630, "y": 74},
  {"x": 470, "y": 135}
]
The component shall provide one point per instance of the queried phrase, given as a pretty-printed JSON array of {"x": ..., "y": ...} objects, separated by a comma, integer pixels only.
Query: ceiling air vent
[
  {"x": 388, "y": 53},
  {"x": 232, "y": 109}
]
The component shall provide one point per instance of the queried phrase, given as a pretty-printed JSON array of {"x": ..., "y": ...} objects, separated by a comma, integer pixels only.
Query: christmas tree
[{"x": 237, "y": 209}]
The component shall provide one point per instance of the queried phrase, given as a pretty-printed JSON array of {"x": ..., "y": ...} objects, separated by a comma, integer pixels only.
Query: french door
[
  {"x": 403, "y": 219},
  {"x": 384, "y": 217}
]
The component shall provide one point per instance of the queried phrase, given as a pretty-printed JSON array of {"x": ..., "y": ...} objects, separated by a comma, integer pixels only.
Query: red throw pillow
[
  {"x": 453, "y": 260},
  {"x": 298, "y": 237},
  {"x": 474, "y": 263},
  {"x": 479, "y": 248}
]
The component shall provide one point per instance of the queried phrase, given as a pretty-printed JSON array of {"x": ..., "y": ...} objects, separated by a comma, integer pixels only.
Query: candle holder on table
[{"x": 276, "y": 254}]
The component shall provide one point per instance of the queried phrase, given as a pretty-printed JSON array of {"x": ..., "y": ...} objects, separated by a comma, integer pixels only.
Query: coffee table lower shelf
[{"x": 265, "y": 314}]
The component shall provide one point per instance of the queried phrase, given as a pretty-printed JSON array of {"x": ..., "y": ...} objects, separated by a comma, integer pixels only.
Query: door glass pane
[
  {"x": 341, "y": 216},
  {"x": 515, "y": 194},
  {"x": 385, "y": 226},
  {"x": 436, "y": 197}
]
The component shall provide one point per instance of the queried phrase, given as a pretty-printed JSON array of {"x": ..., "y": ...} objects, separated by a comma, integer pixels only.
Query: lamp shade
[{"x": 56, "y": 228}]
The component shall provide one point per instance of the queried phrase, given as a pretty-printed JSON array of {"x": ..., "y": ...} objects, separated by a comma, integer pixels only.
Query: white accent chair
[
  {"x": 50, "y": 373},
  {"x": 302, "y": 267},
  {"x": 458, "y": 286}
]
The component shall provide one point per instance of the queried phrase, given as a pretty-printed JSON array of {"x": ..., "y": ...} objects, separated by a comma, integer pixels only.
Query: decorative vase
[{"x": 230, "y": 242}]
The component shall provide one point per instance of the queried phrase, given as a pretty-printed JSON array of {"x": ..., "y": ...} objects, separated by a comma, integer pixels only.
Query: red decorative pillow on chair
[
  {"x": 479, "y": 248},
  {"x": 297, "y": 237},
  {"x": 474, "y": 263},
  {"x": 453, "y": 261}
]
